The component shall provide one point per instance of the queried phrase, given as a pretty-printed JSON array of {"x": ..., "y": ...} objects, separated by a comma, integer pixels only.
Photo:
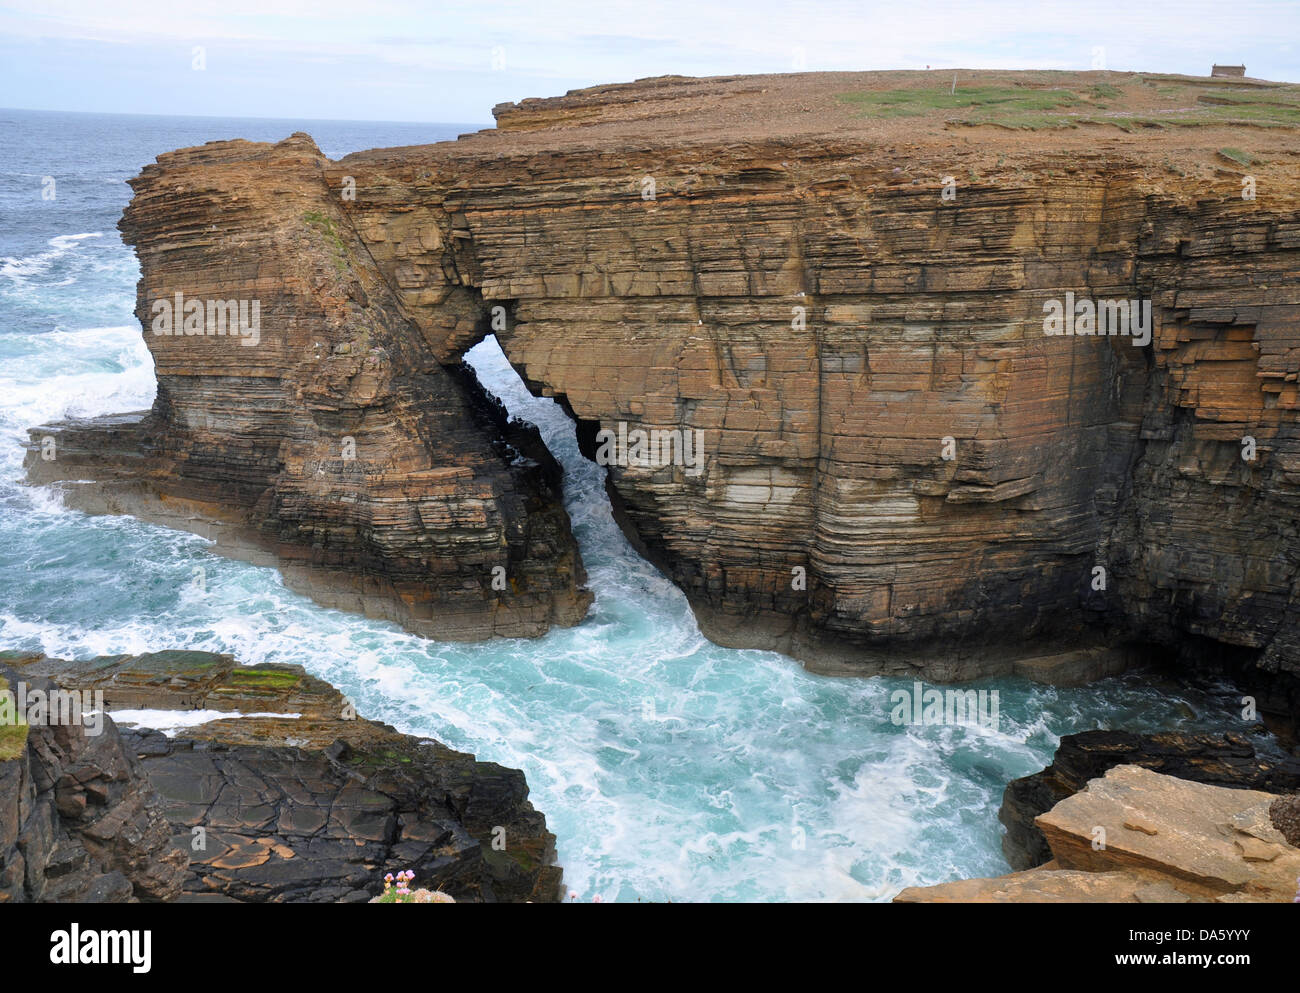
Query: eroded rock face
[
  {"x": 900, "y": 470},
  {"x": 313, "y": 805},
  {"x": 1165, "y": 840},
  {"x": 289, "y": 824},
  {"x": 324, "y": 436},
  {"x": 79, "y": 820},
  {"x": 1284, "y": 813}
]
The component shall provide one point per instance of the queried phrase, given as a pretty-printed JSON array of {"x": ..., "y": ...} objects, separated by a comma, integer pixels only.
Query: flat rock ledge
[
  {"x": 1137, "y": 836},
  {"x": 1226, "y": 759},
  {"x": 310, "y": 803}
]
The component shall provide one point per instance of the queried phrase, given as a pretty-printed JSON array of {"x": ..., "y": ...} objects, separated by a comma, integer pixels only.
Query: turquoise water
[{"x": 668, "y": 768}]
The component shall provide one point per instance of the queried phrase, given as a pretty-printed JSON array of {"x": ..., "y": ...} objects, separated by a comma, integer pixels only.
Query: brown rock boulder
[
  {"x": 1138, "y": 836},
  {"x": 1218, "y": 759}
]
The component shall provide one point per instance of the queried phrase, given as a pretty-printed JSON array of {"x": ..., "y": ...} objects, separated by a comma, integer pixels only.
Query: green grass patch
[
  {"x": 1206, "y": 104},
  {"x": 1280, "y": 97},
  {"x": 13, "y": 741},
  {"x": 1025, "y": 122},
  {"x": 1135, "y": 122},
  {"x": 1221, "y": 101},
  {"x": 264, "y": 679},
  {"x": 1237, "y": 155},
  {"x": 13, "y": 731},
  {"x": 327, "y": 227},
  {"x": 913, "y": 103},
  {"x": 1154, "y": 78},
  {"x": 1259, "y": 114}
]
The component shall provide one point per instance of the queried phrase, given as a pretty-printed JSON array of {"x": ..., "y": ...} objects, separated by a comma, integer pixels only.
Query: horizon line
[{"x": 240, "y": 117}]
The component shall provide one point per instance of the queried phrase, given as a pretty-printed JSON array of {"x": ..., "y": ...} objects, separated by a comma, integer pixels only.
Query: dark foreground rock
[
  {"x": 316, "y": 807},
  {"x": 1217, "y": 759},
  {"x": 79, "y": 822}
]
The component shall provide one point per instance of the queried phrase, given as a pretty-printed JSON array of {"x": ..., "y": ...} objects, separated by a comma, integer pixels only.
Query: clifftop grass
[
  {"x": 1129, "y": 103},
  {"x": 913, "y": 103}
]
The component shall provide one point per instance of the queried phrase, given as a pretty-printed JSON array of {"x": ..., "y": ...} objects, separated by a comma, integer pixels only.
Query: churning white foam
[
  {"x": 169, "y": 722},
  {"x": 21, "y": 269}
]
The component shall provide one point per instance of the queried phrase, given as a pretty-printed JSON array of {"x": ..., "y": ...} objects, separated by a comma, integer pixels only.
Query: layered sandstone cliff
[
  {"x": 325, "y": 437},
  {"x": 900, "y": 469}
]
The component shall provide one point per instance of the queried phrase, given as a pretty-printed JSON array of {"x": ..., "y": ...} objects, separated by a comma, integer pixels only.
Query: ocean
[{"x": 670, "y": 769}]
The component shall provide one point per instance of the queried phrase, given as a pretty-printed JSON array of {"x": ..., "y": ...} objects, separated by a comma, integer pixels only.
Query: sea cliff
[{"x": 843, "y": 284}]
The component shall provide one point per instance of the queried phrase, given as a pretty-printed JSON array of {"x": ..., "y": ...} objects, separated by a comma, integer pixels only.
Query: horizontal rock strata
[
  {"x": 1136, "y": 836},
  {"x": 313, "y": 803},
  {"x": 330, "y": 442},
  {"x": 898, "y": 469}
]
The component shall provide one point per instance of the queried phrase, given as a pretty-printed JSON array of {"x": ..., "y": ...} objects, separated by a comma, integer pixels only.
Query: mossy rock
[
  {"x": 13, "y": 733},
  {"x": 327, "y": 227}
]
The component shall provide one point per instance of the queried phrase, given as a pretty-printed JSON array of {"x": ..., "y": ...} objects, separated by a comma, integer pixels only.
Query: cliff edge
[{"x": 281, "y": 794}]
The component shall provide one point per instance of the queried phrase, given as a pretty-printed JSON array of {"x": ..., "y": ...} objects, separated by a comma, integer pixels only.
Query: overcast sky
[{"x": 452, "y": 60}]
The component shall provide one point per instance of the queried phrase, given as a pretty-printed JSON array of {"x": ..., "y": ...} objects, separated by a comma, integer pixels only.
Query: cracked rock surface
[{"x": 316, "y": 807}]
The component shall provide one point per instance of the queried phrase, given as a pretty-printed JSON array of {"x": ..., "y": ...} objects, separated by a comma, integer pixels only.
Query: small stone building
[{"x": 1228, "y": 71}]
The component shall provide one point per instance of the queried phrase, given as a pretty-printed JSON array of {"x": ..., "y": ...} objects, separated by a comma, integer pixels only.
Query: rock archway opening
[{"x": 598, "y": 518}]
